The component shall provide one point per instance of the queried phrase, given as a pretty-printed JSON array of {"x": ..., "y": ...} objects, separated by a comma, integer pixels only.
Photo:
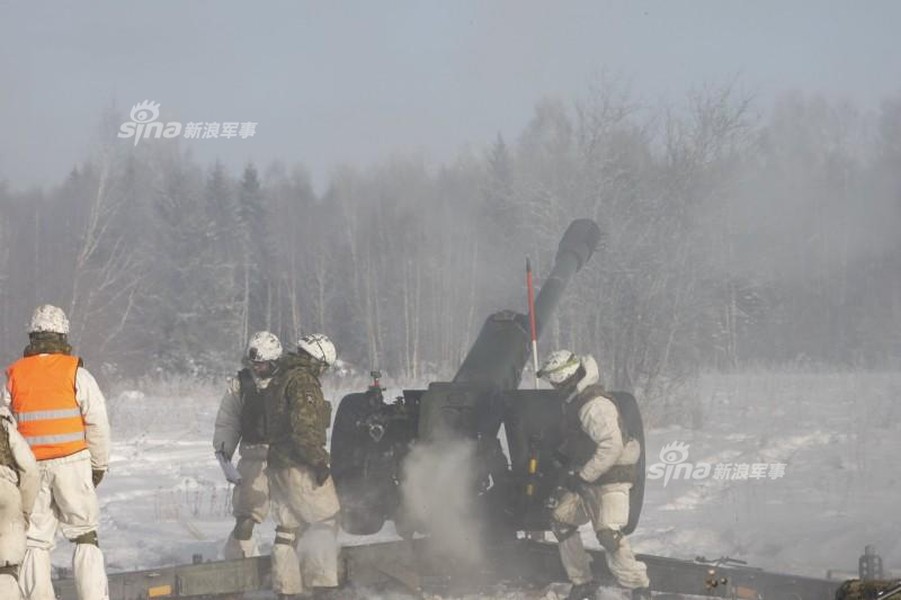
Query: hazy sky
[{"x": 333, "y": 82}]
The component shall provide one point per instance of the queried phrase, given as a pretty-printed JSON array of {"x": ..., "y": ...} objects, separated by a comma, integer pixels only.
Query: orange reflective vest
[{"x": 42, "y": 388}]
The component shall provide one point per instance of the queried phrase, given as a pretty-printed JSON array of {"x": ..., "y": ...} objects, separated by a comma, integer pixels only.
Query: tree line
[{"x": 734, "y": 235}]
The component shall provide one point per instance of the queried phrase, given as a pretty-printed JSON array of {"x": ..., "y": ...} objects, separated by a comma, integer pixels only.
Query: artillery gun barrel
[
  {"x": 578, "y": 244},
  {"x": 499, "y": 354}
]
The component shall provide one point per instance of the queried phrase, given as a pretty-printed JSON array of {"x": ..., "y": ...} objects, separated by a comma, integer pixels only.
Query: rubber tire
[
  {"x": 631, "y": 414},
  {"x": 362, "y": 509}
]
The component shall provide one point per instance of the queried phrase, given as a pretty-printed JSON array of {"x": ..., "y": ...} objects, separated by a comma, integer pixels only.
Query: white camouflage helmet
[
  {"x": 319, "y": 347},
  {"x": 263, "y": 346},
  {"x": 49, "y": 318},
  {"x": 559, "y": 366}
]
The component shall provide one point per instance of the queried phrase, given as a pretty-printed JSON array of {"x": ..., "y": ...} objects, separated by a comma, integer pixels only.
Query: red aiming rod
[{"x": 531, "y": 290}]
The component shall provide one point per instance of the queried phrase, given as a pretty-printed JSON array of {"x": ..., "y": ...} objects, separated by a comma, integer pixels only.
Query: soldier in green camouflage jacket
[{"x": 303, "y": 494}]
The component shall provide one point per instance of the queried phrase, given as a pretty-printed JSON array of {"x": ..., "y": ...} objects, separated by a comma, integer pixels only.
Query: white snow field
[{"x": 838, "y": 436}]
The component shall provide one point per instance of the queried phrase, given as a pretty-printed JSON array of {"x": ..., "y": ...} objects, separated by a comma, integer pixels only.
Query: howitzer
[{"x": 372, "y": 438}]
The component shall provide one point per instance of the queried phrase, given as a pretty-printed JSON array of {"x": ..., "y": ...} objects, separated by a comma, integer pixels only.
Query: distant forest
[{"x": 735, "y": 235}]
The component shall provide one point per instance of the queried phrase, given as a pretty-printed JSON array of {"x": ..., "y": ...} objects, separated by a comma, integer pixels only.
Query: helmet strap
[
  {"x": 270, "y": 370},
  {"x": 573, "y": 380},
  {"x": 321, "y": 365}
]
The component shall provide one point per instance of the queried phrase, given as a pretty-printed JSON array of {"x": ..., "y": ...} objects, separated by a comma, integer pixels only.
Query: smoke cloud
[{"x": 438, "y": 493}]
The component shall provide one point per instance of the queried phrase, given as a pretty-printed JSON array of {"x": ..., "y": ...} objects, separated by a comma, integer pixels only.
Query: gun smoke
[{"x": 439, "y": 480}]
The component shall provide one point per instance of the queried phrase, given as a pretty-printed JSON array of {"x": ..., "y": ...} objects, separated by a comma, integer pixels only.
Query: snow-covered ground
[{"x": 838, "y": 435}]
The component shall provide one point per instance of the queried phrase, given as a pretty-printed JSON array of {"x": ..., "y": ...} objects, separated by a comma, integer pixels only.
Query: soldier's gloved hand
[
  {"x": 321, "y": 472},
  {"x": 97, "y": 476},
  {"x": 573, "y": 481}
]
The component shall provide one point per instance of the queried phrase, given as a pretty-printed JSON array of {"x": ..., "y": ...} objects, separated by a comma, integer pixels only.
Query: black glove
[
  {"x": 321, "y": 472},
  {"x": 573, "y": 482},
  {"x": 97, "y": 476}
]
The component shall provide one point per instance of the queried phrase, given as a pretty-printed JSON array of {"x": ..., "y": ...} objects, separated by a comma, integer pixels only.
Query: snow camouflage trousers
[
  {"x": 250, "y": 500},
  {"x": 67, "y": 502},
  {"x": 12, "y": 524},
  {"x": 9, "y": 588},
  {"x": 251, "y": 497},
  {"x": 606, "y": 507},
  {"x": 305, "y": 553}
]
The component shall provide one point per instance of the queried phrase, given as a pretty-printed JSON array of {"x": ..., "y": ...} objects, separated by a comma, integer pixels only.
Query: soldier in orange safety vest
[{"x": 61, "y": 413}]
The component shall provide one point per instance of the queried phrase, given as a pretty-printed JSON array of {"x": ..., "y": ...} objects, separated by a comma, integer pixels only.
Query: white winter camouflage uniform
[
  {"x": 67, "y": 501},
  {"x": 606, "y": 506},
  {"x": 250, "y": 498},
  {"x": 19, "y": 485}
]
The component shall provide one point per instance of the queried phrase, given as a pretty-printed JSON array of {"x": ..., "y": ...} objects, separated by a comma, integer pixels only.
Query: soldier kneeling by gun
[{"x": 600, "y": 461}]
